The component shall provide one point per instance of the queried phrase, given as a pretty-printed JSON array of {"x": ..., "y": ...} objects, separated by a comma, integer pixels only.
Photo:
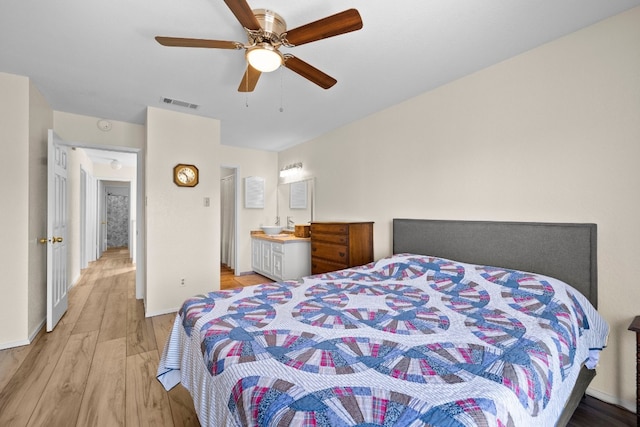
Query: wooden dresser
[{"x": 338, "y": 245}]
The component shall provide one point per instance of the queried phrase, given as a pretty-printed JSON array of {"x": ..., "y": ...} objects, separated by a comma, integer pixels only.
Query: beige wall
[
  {"x": 14, "y": 226},
  {"x": 25, "y": 119},
  {"x": 84, "y": 130},
  {"x": 182, "y": 234},
  {"x": 550, "y": 135},
  {"x": 40, "y": 121},
  {"x": 251, "y": 163}
]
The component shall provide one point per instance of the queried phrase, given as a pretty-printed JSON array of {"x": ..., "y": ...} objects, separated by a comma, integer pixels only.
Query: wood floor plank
[
  {"x": 147, "y": 401},
  {"x": 162, "y": 326},
  {"x": 21, "y": 394},
  {"x": 78, "y": 296},
  {"x": 61, "y": 399},
  {"x": 114, "y": 320},
  {"x": 10, "y": 361},
  {"x": 90, "y": 318},
  {"x": 140, "y": 335},
  {"x": 182, "y": 409},
  {"x": 103, "y": 402}
]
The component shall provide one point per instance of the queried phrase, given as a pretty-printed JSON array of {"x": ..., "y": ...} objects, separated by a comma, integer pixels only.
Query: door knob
[
  {"x": 43, "y": 240},
  {"x": 57, "y": 240}
]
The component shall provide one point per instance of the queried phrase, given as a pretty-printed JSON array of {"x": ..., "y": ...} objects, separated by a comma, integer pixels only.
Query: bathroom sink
[{"x": 271, "y": 230}]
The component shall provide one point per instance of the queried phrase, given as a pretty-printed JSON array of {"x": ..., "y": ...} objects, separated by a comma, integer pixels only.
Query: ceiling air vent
[{"x": 180, "y": 103}]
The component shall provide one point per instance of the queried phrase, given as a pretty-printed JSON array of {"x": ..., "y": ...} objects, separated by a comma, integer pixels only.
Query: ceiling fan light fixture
[{"x": 264, "y": 57}]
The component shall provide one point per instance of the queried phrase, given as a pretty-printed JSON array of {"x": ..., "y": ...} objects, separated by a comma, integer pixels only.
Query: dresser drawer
[
  {"x": 330, "y": 252},
  {"x": 319, "y": 266},
  {"x": 329, "y": 228},
  {"x": 340, "y": 239}
]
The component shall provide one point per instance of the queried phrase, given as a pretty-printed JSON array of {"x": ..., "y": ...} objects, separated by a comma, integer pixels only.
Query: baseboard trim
[
  {"x": 605, "y": 397},
  {"x": 13, "y": 344},
  {"x": 29, "y": 340},
  {"x": 37, "y": 330},
  {"x": 161, "y": 312},
  {"x": 244, "y": 273}
]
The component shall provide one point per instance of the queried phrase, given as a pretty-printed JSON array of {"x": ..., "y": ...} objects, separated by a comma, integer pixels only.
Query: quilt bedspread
[{"x": 409, "y": 340}]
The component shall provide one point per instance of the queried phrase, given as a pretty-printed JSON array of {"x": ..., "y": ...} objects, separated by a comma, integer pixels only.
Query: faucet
[
  {"x": 290, "y": 222},
  {"x": 278, "y": 220}
]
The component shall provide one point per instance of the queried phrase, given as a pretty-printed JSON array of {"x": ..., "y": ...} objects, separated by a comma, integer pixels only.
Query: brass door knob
[
  {"x": 57, "y": 240},
  {"x": 43, "y": 240}
]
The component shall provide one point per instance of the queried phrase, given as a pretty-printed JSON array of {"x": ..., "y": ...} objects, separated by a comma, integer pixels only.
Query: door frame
[
  {"x": 236, "y": 221},
  {"x": 138, "y": 256}
]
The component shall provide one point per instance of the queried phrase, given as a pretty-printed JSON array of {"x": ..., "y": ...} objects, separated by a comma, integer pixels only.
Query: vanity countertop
[{"x": 286, "y": 236}]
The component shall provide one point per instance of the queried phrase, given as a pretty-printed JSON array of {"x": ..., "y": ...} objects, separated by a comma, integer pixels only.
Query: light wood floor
[{"x": 98, "y": 367}]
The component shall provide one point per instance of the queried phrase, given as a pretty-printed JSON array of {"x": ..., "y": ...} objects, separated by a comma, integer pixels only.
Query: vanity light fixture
[{"x": 290, "y": 170}]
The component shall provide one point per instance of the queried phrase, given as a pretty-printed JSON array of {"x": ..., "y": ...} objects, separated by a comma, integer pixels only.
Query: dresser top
[{"x": 341, "y": 222}]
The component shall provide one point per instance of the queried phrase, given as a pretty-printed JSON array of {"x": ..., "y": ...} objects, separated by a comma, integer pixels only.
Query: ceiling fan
[{"x": 266, "y": 32}]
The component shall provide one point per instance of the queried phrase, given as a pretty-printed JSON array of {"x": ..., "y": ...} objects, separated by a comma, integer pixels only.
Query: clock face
[{"x": 185, "y": 175}]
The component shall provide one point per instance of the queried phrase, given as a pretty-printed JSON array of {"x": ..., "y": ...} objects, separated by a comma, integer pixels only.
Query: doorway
[
  {"x": 109, "y": 178},
  {"x": 228, "y": 217},
  {"x": 117, "y": 214}
]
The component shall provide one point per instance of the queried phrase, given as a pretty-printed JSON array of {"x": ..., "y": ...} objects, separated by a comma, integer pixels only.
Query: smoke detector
[{"x": 104, "y": 125}]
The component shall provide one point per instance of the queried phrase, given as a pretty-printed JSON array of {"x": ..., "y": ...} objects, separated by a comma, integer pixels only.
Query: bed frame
[{"x": 565, "y": 251}]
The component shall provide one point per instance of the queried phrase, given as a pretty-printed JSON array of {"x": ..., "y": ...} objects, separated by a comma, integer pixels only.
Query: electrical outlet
[{"x": 182, "y": 284}]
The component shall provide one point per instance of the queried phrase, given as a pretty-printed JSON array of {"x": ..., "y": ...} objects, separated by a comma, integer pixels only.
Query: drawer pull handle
[
  {"x": 342, "y": 254},
  {"x": 314, "y": 249}
]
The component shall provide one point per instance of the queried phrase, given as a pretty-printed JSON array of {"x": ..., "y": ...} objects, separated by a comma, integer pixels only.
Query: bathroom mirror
[{"x": 296, "y": 202}]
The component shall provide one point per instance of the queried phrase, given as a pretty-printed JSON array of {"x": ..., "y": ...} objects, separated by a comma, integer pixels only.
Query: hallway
[{"x": 98, "y": 367}]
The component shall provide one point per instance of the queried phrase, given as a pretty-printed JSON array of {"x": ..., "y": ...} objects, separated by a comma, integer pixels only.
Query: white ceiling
[{"x": 99, "y": 58}]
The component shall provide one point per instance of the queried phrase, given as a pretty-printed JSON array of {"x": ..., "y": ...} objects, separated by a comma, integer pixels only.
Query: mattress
[{"x": 409, "y": 340}]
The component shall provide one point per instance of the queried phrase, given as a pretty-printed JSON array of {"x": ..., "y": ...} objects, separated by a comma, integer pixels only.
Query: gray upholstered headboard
[{"x": 565, "y": 251}]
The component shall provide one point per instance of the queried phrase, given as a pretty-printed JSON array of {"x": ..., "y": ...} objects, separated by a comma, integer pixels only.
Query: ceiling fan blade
[
  {"x": 243, "y": 14},
  {"x": 334, "y": 25},
  {"x": 309, "y": 72},
  {"x": 182, "y": 42},
  {"x": 249, "y": 80}
]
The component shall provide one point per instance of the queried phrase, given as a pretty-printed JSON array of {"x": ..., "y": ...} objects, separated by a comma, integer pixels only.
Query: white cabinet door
[
  {"x": 281, "y": 261},
  {"x": 256, "y": 255},
  {"x": 278, "y": 265},
  {"x": 267, "y": 266}
]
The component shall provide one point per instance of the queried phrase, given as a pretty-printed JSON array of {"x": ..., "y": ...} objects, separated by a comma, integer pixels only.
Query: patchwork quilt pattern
[{"x": 409, "y": 340}]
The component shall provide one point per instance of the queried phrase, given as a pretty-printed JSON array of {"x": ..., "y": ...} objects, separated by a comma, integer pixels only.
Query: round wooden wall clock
[{"x": 185, "y": 175}]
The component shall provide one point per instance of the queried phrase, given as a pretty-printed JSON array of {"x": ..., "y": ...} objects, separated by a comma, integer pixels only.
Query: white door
[{"x": 56, "y": 231}]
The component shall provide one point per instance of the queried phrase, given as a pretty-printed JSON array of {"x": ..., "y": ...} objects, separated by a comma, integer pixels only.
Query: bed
[{"x": 470, "y": 323}]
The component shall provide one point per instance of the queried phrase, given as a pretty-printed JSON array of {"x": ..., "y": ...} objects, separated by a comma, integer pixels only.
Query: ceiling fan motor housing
[{"x": 272, "y": 24}]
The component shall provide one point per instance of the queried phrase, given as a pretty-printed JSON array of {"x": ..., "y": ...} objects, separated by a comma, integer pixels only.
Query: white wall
[
  {"x": 76, "y": 159},
  {"x": 182, "y": 235},
  {"x": 550, "y": 135}
]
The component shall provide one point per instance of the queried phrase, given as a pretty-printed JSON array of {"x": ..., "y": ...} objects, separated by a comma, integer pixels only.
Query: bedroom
[{"x": 562, "y": 147}]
